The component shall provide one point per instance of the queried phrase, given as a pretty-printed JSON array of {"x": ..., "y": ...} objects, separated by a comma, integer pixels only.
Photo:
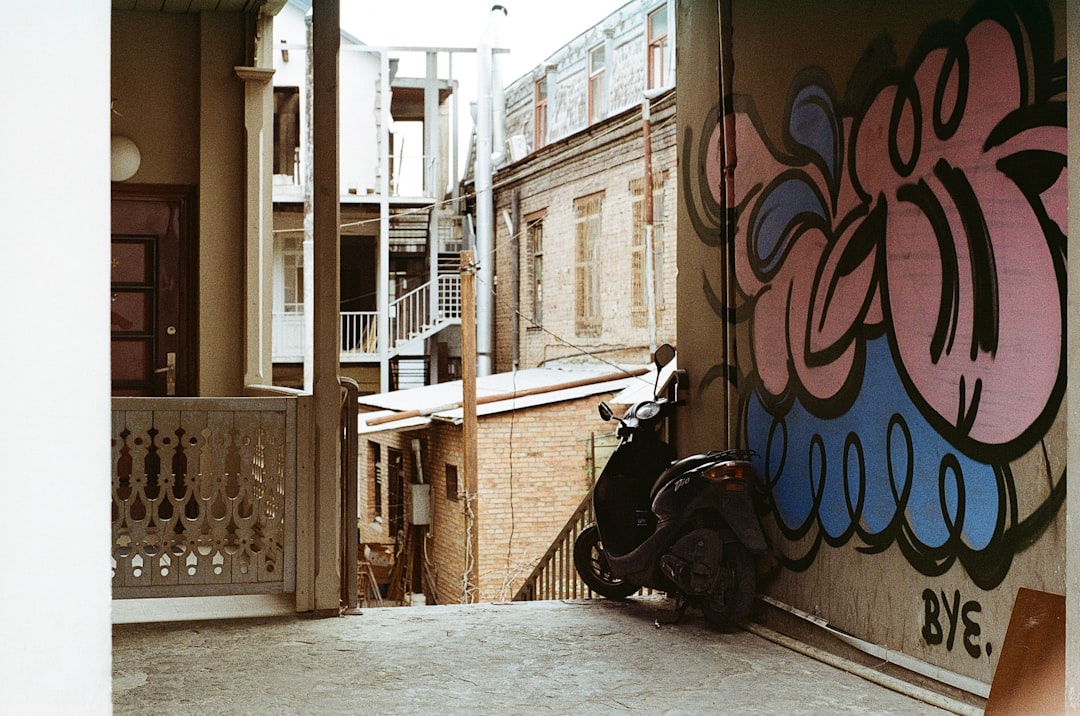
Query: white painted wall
[
  {"x": 359, "y": 72},
  {"x": 55, "y": 590}
]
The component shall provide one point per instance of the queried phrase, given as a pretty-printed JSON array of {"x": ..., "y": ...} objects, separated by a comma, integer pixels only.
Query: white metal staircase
[{"x": 417, "y": 315}]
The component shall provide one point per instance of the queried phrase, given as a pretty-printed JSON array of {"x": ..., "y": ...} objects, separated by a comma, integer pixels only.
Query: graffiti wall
[{"x": 887, "y": 219}]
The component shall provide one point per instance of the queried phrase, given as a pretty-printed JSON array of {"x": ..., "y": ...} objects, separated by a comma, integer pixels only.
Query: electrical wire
[{"x": 586, "y": 145}]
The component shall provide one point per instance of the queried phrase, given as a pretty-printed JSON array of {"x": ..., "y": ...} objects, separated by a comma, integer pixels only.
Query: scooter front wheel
[{"x": 591, "y": 563}]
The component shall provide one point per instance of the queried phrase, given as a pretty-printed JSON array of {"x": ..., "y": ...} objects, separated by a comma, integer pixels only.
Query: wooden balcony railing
[
  {"x": 203, "y": 496},
  {"x": 555, "y": 576}
]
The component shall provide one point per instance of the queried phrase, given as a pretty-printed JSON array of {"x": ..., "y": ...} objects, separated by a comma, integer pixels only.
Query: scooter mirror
[
  {"x": 605, "y": 412},
  {"x": 664, "y": 354}
]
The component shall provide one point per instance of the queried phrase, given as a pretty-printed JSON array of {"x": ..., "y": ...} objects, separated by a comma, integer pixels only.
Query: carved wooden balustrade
[{"x": 203, "y": 496}]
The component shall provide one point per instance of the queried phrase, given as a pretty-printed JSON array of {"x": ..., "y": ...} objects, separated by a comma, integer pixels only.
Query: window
[
  {"x": 587, "y": 214},
  {"x": 292, "y": 257},
  {"x": 375, "y": 486},
  {"x": 540, "y": 121},
  {"x": 534, "y": 234},
  {"x": 658, "y": 32},
  {"x": 596, "y": 84},
  {"x": 452, "y": 483},
  {"x": 638, "y": 276},
  {"x": 395, "y": 473},
  {"x": 287, "y": 131}
]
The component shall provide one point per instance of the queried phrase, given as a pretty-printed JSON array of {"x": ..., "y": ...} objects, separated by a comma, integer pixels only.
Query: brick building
[
  {"x": 538, "y": 442},
  {"x": 575, "y": 229},
  {"x": 581, "y": 236}
]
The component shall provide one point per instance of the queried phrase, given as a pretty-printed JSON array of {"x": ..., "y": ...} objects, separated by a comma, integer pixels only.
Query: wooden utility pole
[{"x": 470, "y": 591}]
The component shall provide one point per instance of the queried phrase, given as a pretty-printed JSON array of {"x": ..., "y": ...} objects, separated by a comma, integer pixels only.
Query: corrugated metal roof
[
  {"x": 195, "y": 6},
  {"x": 521, "y": 389}
]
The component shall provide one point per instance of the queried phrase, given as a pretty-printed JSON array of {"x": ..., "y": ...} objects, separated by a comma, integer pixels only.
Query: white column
[
  {"x": 383, "y": 265},
  {"x": 55, "y": 631},
  {"x": 258, "y": 226}
]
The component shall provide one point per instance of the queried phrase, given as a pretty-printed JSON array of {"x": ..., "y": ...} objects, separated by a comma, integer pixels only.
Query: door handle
[{"x": 170, "y": 373}]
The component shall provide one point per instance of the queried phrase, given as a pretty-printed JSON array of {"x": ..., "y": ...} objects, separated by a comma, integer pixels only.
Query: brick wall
[
  {"x": 534, "y": 470},
  {"x": 605, "y": 161}
]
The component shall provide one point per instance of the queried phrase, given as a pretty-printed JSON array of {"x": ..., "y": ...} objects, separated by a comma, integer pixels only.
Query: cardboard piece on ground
[{"x": 1030, "y": 676}]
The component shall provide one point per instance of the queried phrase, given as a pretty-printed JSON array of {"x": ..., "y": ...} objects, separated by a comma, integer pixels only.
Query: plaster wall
[
  {"x": 623, "y": 36},
  {"x": 896, "y": 208},
  {"x": 358, "y": 90},
  {"x": 177, "y": 96}
]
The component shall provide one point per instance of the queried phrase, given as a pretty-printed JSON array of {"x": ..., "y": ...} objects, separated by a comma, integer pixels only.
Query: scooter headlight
[{"x": 647, "y": 411}]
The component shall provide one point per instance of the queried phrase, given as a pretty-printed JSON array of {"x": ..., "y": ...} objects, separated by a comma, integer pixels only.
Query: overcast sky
[{"x": 532, "y": 29}]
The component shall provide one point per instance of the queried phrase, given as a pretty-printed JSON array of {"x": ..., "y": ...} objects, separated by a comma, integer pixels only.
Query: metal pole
[{"x": 484, "y": 202}]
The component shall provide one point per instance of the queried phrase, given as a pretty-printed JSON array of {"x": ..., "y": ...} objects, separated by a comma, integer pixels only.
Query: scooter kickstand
[{"x": 681, "y": 605}]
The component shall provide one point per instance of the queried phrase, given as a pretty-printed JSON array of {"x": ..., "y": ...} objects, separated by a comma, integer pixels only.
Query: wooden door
[{"x": 153, "y": 326}]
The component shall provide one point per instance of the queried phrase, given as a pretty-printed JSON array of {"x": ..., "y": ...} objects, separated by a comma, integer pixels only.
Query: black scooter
[{"x": 686, "y": 527}]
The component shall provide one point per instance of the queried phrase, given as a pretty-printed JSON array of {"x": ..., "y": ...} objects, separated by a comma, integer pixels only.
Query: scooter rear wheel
[
  {"x": 737, "y": 588},
  {"x": 591, "y": 563}
]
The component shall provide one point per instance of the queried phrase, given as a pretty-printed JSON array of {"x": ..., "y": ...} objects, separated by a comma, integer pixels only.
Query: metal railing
[
  {"x": 414, "y": 314},
  {"x": 417, "y": 314}
]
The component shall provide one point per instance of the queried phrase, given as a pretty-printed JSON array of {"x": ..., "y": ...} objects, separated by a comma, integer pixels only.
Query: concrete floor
[{"x": 584, "y": 657}]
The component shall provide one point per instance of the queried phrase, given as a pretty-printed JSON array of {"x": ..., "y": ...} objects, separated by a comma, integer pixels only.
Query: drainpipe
[
  {"x": 650, "y": 279},
  {"x": 434, "y": 189},
  {"x": 728, "y": 162},
  {"x": 498, "y": 93},
  {"x": 484, "y": 201},
  {"x": 514, "y": 224}
]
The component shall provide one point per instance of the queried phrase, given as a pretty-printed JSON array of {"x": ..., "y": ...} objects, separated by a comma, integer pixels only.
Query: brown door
[{"x": 152, "y": 296}]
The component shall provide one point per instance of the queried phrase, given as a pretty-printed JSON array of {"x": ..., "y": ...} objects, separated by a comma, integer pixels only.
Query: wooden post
[
  {"x": 325, "y": 308},
  {"x": 470, "y": 590}
]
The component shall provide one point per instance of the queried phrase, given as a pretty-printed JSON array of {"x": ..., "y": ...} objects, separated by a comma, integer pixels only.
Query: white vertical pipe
[
  {"x": 484, "y": 202},
  {"x": 383, "y": 267}
]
